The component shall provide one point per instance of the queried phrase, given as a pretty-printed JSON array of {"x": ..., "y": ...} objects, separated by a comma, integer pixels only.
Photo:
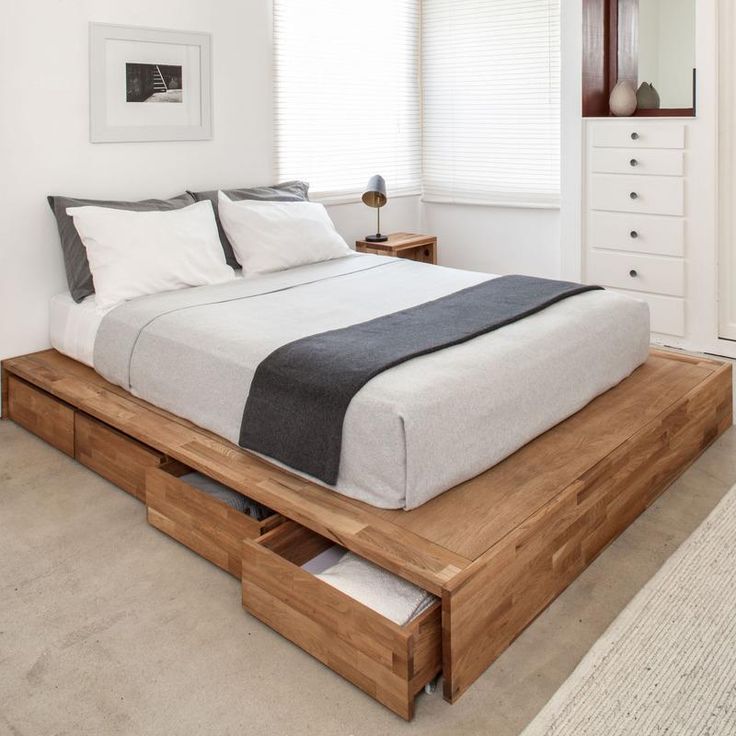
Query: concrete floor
[{"x": 109, "y": 627}]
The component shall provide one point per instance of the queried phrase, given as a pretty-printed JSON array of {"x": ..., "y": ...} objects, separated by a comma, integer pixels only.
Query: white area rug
[{"x": 667, "y": 664}]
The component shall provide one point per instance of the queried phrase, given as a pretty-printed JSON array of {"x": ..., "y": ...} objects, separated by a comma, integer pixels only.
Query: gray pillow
[
  {"x": 78, "y": 275},
  {"x": 289, "y": 191}
]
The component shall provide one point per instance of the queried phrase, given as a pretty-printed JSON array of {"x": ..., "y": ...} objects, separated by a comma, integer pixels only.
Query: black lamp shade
[
  {"x": 375, "y": 192},
  {"x": 375, "y": 196}
]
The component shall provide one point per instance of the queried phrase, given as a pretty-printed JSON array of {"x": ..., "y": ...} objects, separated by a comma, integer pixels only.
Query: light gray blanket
[
  {"x": 411, "y": 432},
  {"x": 300, "y": 393}
]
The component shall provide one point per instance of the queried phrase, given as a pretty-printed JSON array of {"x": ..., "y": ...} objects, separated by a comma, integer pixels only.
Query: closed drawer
[
  {"x": 115, "y": 456},
  {"x": 635, "y": 134},
  {"x": 666, "y": 313},
  {"x": 392, "y": 663},
  {"x": 654, "y": 195},
  {"x": 205, "y": 524},
  {"x": 52, "y": 420},
  {"x": 654, "y": 234},
  {"x": 652, "y": 161},
  {"x": 637, "y": 272}
]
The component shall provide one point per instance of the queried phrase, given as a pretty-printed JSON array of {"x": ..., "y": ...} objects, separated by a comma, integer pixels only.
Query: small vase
[
  {"x": 622, "y": 101},
  {"x": 647, "y": 97}
]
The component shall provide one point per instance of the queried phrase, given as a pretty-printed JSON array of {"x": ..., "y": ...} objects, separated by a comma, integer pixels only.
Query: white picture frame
[{"x": 131, "y": 67}]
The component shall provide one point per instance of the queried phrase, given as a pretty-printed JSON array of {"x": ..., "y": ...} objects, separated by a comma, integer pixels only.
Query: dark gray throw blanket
[{"x": 301, "y": 391}]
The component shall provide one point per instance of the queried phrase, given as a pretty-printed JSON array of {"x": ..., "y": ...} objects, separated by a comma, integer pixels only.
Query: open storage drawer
[
  {"x": 391, "y": 663},
  {"x": 205, "y": 524}
]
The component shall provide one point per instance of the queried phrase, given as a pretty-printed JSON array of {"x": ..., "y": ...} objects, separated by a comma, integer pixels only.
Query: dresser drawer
[
  {"x": 652, "y": 161},
  {"x": 115, "y": 456},
  {"x": 664, "y": 236},
  {"x": 44, "y": 415},
  {"x": 635, "y": 134},
  {"x": 637, "y": 272},
  {"x": 666, "y": 313},
  {"x": 392, "y": 663},
  {"x": 654, "y": 195}
]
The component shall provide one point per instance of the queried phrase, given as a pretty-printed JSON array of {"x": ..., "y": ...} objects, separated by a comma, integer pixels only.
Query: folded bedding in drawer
[
  {"x": 387, "y": 594},
  {"x": 232, "y": 498},
  {"x": 412, "y": 431}
]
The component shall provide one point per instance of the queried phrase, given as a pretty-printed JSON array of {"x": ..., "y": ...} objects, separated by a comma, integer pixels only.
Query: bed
[
  {"x": 588, "y": 427},
  {"x": 413, "y": 431}
]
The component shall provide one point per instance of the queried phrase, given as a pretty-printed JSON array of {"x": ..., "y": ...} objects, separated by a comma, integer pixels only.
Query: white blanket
[{"x": 391, "y": 596}]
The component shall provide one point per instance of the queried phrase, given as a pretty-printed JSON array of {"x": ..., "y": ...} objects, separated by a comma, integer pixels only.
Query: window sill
[{"x": 495, "y": 203}]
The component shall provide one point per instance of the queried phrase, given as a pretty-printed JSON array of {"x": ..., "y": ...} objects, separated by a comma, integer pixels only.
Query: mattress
[
  {"x": 413, "y": 431},
  {"x": 73, "y": 327}
]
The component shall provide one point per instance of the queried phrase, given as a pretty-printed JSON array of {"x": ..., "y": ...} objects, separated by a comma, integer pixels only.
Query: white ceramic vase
[{"x": 622, "y": 101}]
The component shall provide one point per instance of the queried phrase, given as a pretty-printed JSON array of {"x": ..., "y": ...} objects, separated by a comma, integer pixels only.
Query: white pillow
[
  {"x": 135, "y": 253},
  {"x": 273, "y": 236}
]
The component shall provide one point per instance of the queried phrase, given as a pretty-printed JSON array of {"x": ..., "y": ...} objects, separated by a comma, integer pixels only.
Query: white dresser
[{"x": 635, "y": 237}]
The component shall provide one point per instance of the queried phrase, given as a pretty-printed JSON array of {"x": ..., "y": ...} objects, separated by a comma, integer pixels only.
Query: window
[
  {"x": 347, "y": 94},
  {"x": 491, "y": 96}
]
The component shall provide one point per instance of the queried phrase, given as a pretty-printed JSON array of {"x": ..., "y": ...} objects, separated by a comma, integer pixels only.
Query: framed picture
[{"x": 149, "y": 84}]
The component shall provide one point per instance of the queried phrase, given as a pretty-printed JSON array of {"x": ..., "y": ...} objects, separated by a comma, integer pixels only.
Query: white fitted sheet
[{"x": 73, "y": 327}]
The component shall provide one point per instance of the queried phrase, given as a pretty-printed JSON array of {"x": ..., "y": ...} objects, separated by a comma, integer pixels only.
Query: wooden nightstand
[{"x": 403, "y": 245}]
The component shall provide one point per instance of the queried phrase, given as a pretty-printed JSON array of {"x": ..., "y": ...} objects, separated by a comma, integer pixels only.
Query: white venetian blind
[
  {"x": 491, "y": 90},
  {"x": 347, "y": 94}
]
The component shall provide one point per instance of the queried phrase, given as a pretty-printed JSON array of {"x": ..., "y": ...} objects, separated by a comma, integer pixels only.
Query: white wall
[
  {"x": 44, "y": 134},
  {"x": 354, "y": 220},
  {"x": 495, "y": 239}
]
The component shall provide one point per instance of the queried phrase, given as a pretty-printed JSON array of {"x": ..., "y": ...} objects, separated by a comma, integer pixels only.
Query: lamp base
[{"x": 377, "y": 238}]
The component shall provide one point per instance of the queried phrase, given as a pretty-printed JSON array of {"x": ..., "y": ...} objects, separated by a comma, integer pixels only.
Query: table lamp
[{"x": 375, "y": 196}]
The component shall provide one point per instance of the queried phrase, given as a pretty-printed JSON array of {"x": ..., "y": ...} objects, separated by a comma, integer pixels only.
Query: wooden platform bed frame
[{"x": 496, "y": 550}]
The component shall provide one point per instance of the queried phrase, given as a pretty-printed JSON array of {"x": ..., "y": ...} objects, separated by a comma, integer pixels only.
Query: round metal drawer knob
[
  {"x": 634, "y": 162},
  {"x": 634, "y": 195},
  {"x": 634, "y": 136},
  {"x": 634, "y": 234},
  {"x": 633, "y": 273}
]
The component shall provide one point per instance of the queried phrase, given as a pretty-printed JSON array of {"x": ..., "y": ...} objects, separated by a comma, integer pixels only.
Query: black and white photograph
[
  {"x": 132, "y": 67},
  {"x": 153, "y": 83}
]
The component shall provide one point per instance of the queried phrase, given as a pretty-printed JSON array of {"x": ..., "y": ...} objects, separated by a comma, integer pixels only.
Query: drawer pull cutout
[{"x": 633, "y": 273}]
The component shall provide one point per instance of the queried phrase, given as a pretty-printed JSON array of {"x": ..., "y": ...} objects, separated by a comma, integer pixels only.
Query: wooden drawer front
[
  {"x": 115, "y": 456},
  {"x": 423, "y": 254},
  {"x": 654, "y": 195},
  {"x": 638, "y": 135},
  {"x": 652, "y": 161},
  {"x": 42, "y": 414},
  {"x": 389, "y": 662},
  {"x": 666, "y": 313},
  {"x": 199, "y": 521},
  {"x": 664, "y": 236},
  {"x": 652, "y": 274}
]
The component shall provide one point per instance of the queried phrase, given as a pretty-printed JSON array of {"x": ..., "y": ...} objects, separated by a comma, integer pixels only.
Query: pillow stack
[
  {"x": 133, "y": 253},
  {"x": 122, "y": 250},
  {"x": 273, "y": 236},
  {"x": 76, "y": 264}
]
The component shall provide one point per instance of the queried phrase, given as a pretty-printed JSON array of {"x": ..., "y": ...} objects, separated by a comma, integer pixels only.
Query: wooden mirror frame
[{"x": 604, "y": 43}]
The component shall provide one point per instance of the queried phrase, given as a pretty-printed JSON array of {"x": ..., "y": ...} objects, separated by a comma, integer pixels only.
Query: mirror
[{"x": 656, "y": 46}]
